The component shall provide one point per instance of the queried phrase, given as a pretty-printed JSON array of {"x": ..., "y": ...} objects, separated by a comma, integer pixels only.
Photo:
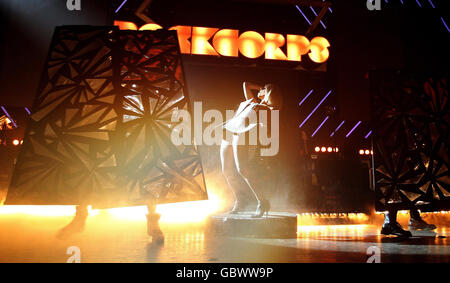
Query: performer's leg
[
  {"x": 153, "y": 228},
  {"x": 391, "y": 226},
  {"x": 391, "y": 216},
  {"x": 417, "y": 223},
  {"x": 240, "y": 153},
  {"x": 78, "y": 222},
  {"x": 232, "y": 176}
]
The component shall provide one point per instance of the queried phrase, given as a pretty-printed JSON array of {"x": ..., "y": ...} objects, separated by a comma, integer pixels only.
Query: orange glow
[
  {"x": 183, "y": 33},
  {"x": 317, "y": 149},
  {"x": 361, "y": 151},
  {"x": 182, "y": 212},
  {"x": 132, "y": 26},
  {"x": 15, "y": 142},
  {"x": 319, "y": 49},
  {"x": 225, "y": 41},
  {"x": 251, "y": 44},
  {"x": 150, "y": 27},
  {"x": 324, "y": 149},
  {"x": 273, "y": 43},
  {"x": 318, "y": 218},
  {"x": 330, "y": 149},
  {"x": 125, "y": 25},
  {"x": 336, "y": 149},
  {"x": 326, "y": 229},
  {"x": 297, "y": 45},
  {"x": 43, "y": 210},
  {"x": 200, "y": 43}
]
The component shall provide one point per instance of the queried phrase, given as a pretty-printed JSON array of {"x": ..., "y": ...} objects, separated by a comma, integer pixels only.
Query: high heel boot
[{"x": 262, "y": 208}]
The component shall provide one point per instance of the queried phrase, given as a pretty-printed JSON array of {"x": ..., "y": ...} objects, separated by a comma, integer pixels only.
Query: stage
[{"x": 110, "y": 238}]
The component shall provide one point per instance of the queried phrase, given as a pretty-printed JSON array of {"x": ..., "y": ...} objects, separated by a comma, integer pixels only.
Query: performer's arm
[{"x": 248, "y": 87}]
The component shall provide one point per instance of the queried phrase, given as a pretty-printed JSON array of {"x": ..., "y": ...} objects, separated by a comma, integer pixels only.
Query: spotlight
[
  {"x": 336, "y": 149},
  {"x": 371, "y": 152},
  {"x": 367, "y": 152},
  {"x": 15, "y": 142},
  {"x": 361, "y": 151},
  {"x": 324, "y": 149},
  {"x": 317, "y": 149},
  {"x": 21, "y": 141},
  {"x": 330, "y": 149}
]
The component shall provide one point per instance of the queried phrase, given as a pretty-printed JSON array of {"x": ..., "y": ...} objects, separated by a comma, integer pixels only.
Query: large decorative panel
[
  {"x": 411, "y": 142},
  {"x": 152, "y": 86},
  {"x": 100, "y": 127}
]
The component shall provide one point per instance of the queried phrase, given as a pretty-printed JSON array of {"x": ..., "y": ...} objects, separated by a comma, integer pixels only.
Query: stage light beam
[
  {"x": 338, "y": 127},
  {"x": 321, "y": 124},
  {"x": 303, "y": 100},
  {"x": 314, "y": 110},
  {"x": 351, "y": 131},
  {"x": 298, "y": 8}
]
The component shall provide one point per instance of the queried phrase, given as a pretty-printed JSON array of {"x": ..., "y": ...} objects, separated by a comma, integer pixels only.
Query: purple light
[
  {"x": 123, "y": 3},
  {"x": 10, "y": 118},
  {"x": 431, "y": 3},
  {"x": 368, "y": 134},
  {"x": 28, "y": 110},
  {"x": 342, "y": 123},
  {"x": 418, "y": 3},
  {"x": 305, "y": 97},
  {"x": 351, "y": 131},
  {"x": 321, "y": 124},
  {"x": 298, "y": 8},
  {"x": 310, "y": 114},
  {"x": 331, "y": 11},
  {"x": 445, "y": 24},
  {"x": 312, "y": 9}
]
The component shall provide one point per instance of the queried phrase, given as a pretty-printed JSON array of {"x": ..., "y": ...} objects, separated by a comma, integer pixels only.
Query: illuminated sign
[{"x": 251, "y": 44}]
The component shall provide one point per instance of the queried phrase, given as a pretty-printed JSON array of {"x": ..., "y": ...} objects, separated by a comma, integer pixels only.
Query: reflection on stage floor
[{"x": 107, "y": 238}]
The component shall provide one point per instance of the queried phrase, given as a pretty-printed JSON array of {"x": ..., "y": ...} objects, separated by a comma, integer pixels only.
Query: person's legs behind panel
[
  {"x": 417, "y": 223},
  {"x": 392, "y": 227},
  {"x": 153, "y": 229},
  {"x": 77, "y": 224}
]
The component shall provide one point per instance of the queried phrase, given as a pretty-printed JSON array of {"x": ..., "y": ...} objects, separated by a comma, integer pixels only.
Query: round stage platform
[{"x": 275, "y": 225}]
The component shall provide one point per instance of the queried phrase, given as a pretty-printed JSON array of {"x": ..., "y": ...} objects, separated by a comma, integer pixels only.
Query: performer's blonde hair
[{"x": 275, "y": 96}]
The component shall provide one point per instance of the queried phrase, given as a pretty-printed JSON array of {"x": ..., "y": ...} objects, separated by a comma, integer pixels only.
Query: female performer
[{"x": 233, "y": 151}]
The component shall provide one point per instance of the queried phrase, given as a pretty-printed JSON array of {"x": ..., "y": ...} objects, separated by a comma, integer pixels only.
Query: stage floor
[{"x": 31, "y": 238}]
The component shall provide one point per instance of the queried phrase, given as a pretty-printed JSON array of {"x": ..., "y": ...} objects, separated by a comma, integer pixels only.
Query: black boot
[{"x": 394, "y": 228}]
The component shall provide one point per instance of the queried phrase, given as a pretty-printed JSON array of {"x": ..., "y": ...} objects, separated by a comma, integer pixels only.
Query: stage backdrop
[
  {"x": 411, "y": 120},
  {"x": 100, "y": 127}
]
